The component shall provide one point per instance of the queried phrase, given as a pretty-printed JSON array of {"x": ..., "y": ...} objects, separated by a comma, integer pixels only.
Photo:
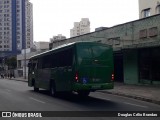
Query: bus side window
[
  {"x": 69, "y": 57},
  {"x": 29, "y": 64},
  {"x": 39, "y": 63},
  {"x": 33, "y": 66},
  {"x": 54, "y": 60},
  {"x": 65, "y": 58},
  {"x": 46, "y": 62}
]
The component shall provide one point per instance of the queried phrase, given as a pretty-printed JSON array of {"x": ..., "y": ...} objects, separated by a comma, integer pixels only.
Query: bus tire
[
  {"x": 83, "y": 93},
  {"x": 35, "y": 88},
  {"x": 53, "y": 91}
]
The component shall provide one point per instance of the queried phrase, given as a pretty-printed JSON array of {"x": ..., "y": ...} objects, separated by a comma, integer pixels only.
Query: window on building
[
  {"x": 17, "y": 2},
  {"x": 18, "y": 37},
  {"x": 117, "y": 41},
  {"x": 18, "y": 6},
  {"x": 146, "y": 12},
  {"x": 158, "y": 9},
  {"x": 18, "y": 28},
  {"x": 18, "y": 46},
  {"x": 18, "y": 19}
]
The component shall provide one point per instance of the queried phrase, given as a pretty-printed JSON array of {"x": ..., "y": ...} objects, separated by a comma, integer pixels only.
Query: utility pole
[{"x": 25, "y": 62}]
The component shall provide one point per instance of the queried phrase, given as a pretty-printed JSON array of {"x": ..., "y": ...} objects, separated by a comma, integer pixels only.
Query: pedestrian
[
  {"x": 10, "y": 76},
  {"x": 2, "y": 76},
  {"x": 5, "y": 75}
]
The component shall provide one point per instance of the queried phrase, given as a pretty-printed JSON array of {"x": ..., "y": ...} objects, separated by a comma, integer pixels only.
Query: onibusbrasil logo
[{"x": 21, "y": 114}]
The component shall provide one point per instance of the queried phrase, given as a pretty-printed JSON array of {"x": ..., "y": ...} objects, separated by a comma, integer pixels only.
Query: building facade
[
  {"x": 136, "y": 48},
  {"x": 23, "y": 58},
  {"x": 80, "y": 28},
  {"x": 58, "y": 37},
  {"x": 29, "y": 24},
  {"x": 41, "y": 46},
  {"x": 16, "y": 26},
  {"x": 148, "y": 8}
]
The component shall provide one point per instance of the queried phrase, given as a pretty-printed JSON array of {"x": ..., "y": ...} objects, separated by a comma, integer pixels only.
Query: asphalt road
[{"x": 17, "y": 96}]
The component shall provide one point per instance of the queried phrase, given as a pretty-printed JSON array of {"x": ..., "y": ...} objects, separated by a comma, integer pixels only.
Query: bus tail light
[
  {"x": 112, "y": 76},
  {"x": 76, "y": 77}
]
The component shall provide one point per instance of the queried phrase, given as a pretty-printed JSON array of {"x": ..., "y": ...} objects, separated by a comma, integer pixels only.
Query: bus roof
[
  {"x": 49, "y": 51},
  {"x": 60, "y": 47}
]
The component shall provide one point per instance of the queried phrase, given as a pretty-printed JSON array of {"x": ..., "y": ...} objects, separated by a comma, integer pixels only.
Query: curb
[
  {"x": 133, "y": 96},
  {"x": 18, "y": 80}
]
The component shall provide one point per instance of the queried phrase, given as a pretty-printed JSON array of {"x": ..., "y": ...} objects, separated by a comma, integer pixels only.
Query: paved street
[{"x": 17, "y": 96}]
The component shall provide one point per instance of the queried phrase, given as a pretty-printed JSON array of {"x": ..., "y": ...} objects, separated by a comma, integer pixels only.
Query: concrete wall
[{"x": 125, "y": 35}]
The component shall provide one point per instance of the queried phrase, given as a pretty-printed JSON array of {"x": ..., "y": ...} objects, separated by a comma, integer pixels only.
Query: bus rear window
[
  {"x": 86, "y": 54},
  {"x": 99, "y": 52}
]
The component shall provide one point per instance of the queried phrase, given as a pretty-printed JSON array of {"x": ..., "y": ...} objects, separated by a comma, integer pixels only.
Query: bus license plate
[{"x": 96, "y": 86}]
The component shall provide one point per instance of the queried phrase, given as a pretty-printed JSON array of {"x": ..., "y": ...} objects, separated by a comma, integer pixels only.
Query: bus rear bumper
[{"x": 92, "y": 87}]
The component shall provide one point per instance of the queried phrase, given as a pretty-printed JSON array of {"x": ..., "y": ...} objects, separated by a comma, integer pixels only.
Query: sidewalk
[
  {"x": 147, "y": 93},
  {"x": 19, "y": 79}
]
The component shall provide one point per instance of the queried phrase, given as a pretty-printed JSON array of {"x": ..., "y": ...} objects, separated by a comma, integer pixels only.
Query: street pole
[
  {"x": 23, "y": 35},
  {"x": 25, "y": 61}
]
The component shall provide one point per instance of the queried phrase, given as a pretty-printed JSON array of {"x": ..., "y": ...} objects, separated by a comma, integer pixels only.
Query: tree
[{"x": 11, "y": 62}]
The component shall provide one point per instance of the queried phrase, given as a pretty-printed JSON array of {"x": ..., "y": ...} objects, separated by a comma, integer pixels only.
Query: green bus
[{"x": 80, "y": 67}]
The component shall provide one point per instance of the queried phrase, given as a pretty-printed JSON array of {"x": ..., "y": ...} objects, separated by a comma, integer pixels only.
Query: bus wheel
[
  {"x": 36, "y": 89},
  {"x": 53, "y": 90},
  {"x": 83, "y": 93}
]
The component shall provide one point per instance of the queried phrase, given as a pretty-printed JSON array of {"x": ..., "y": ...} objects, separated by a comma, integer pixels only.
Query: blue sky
[{"x": 52, "y": 17}]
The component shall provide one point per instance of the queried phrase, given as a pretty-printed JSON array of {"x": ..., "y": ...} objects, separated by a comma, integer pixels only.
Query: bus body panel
[
  {"x": 94, "y": 72},
  {"x": 43, "y": 78},
  {"x": 62, "y": 78}
]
